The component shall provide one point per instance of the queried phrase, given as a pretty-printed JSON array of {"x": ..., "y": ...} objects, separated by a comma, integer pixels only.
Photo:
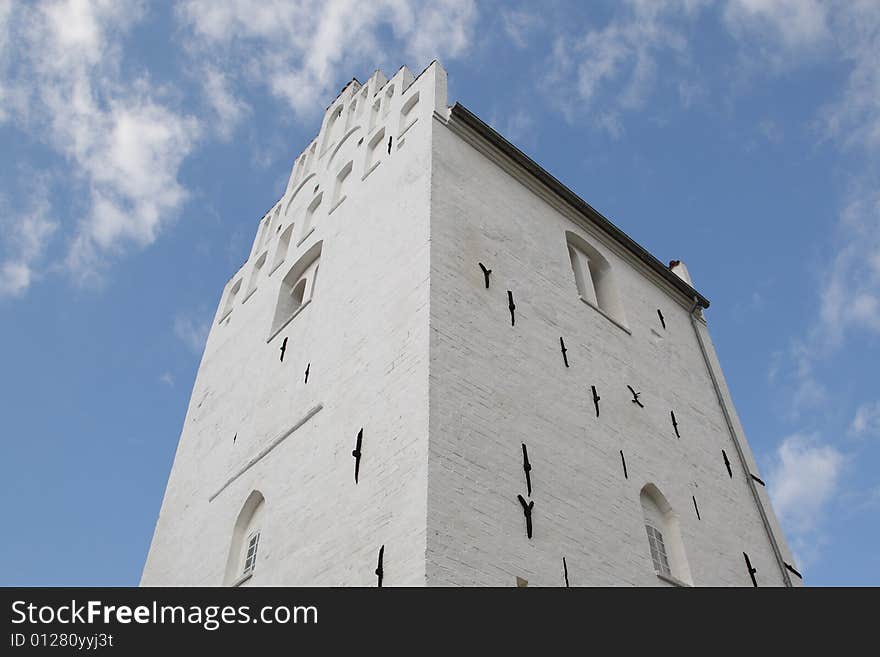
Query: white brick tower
[{"x": 437, "y": 348}]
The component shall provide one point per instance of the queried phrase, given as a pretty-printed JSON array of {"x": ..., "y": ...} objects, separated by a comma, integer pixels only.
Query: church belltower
[{"x": 439, "y": 366}]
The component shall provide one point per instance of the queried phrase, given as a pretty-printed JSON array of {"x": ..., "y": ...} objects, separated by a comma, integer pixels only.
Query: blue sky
[{"x": 141, "y": 143}]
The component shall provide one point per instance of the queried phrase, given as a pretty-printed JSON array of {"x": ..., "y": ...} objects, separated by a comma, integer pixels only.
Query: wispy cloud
[
  {"x": 167, "y": 379},
  {"x": 866, "y": 421},
  {"x": 192, "y": 332},
  {"x": 229, "y": 110},
  {"x": 785, "y": 23},
  {"x": 123, "y": 143},
  {"x": 520, "y": 24},
  {"x": 301, "y": 51},
  {"x": 803, "y": 479},
  {"x": 26, "y": 236},
  {"x": 615, "y": 67}
]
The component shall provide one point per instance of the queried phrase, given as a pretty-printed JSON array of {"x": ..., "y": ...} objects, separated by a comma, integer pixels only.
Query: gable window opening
[
  {"x": 595, "y": 279},
  {"x": 297, "y": 289}
]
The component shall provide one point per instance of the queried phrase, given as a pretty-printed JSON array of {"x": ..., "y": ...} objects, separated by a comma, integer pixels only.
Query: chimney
[{"x": 678, "y": 268}]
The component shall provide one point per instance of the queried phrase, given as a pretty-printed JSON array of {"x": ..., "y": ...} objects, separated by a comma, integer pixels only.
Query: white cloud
[
  {"x": 5, "y": 13},
  {"x": 229, "y": 109},
  {"x": 124, "y": 144},
  {"x": 26, "y": 237},
  {"x": 301, "y": 51},
  {"x": 855, "y": 117},
  {"x": 850, "y": 294},
  {"x": 785, "y": 34},
  {"x": 803, "y": 480},
  {"x": 867, "y": 420},
  {"x": 796, "y": 22},
  {"x": 193, "y": 333},
  {"x": 519, "y": 24},
  {"x": 167, "y": 379},
  {"x": 615, "y": 67}
]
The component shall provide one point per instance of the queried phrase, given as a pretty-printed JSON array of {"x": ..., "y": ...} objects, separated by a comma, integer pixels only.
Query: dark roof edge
[{"x": 461, "y": 113}]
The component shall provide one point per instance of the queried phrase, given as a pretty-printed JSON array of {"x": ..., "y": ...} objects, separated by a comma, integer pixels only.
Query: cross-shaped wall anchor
[{"x": 636, "y": 395}]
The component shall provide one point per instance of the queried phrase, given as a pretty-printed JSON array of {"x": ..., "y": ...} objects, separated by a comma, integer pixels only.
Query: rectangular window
[
  {"x": 250, "y": 559},
  {"x": 658, "y": 551}
]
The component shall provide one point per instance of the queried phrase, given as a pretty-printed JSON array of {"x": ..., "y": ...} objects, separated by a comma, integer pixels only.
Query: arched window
[
  {"x": 594, "y": 277},
  {"x": 664, "y": 535},
  {"x": 244, "y": 546}
]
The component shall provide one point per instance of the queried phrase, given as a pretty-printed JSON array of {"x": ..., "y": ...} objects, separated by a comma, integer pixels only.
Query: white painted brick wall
[
  {"x": 405, "y": 341},
  {"x": 365, "y": 333},
  {"x": 494, "y": 386}
]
